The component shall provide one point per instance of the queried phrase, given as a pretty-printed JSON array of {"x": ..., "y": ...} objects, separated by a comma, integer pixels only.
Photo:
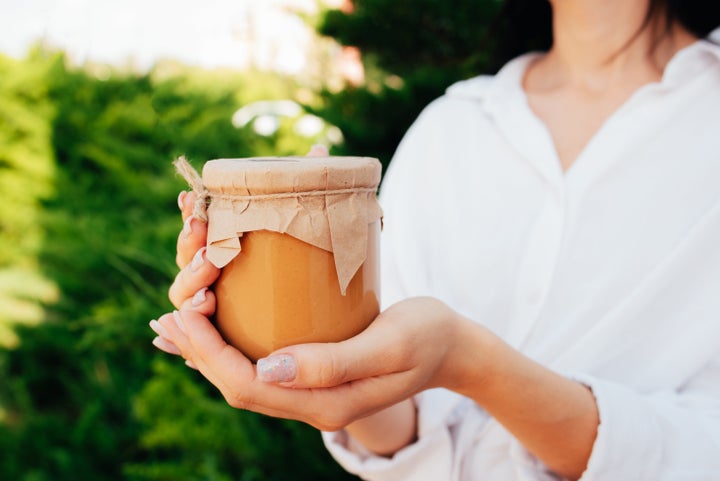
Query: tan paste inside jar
[{"x": 281, "y": 291}]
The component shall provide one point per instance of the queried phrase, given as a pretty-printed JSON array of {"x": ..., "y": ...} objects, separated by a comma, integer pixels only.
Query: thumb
[{"x": 320, "y": 365}]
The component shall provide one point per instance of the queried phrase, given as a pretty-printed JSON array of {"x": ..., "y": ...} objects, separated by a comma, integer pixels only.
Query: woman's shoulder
[
  {"x": 464, "y": 96},
  {"x": 482, "y": 90},
  {"x": 475, "y": 88}
]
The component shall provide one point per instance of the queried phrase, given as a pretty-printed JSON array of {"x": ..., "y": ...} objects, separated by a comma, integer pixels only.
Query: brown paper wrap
[{"x": 327, "y": 202}]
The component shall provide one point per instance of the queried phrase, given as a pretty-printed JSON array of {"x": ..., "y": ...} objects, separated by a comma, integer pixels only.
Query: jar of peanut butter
[{"x": 297, "y": 241}]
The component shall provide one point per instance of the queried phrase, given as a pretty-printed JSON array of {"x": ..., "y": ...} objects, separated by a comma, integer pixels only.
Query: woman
[{"x": 550, "y": 259}]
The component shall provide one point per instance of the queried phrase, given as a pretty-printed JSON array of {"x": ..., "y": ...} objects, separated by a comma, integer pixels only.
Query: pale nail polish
[
  {"x": 179, "y": 321},
  {"x": 159, "y": 329},
  {"x": 278, "y": 368},
  {"x": 166, "y": 346},
  {"x": 197, "y": 260},
  {"x": 191, "y": 364},
  {"x": 199, "y": 297},
  {"x": 318, "y": 150},
  {"x": 187, "y": 227},
  {"x": 181, "y": 199}
]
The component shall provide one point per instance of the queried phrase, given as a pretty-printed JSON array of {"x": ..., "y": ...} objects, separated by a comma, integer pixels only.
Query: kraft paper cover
[{"x": 327, "y": 202}]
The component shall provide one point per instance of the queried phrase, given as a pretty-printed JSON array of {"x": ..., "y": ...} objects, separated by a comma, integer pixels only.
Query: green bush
[
  {"x": 87, "y": 240},
  {"x": 412, "y": 51}
]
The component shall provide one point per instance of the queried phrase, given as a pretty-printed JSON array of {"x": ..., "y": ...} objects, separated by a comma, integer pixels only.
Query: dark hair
[
  {"x": 700, "y": 17},
  {"x": 526, "y": 25},
  {"x": 521, "y": 26}
]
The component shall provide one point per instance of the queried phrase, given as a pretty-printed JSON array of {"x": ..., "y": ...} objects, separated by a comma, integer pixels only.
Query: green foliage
[
  {"x": 405, "y": 35},
  {"x": 26, "y": 177},
  {"x": 87, "y": 241},
  {"x": 412, "y": 51},
  {"x": 217, "y": 442}
]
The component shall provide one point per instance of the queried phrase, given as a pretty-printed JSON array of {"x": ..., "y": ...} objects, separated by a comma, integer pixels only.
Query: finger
[
  {"x": 162, "y": 341},
  {"x": 203, "y": 302},
  {"x": 226, "y": 367},
  {"x": 234, "y": 375},
  {"x": 173, "y": 332},
  {"x": 165, "y": 345},
  {"x": 197, "y": 274},
  {"x": 181, "y": 199},
  {"x": 202, "y": 345},
  {"x": 318, "y": 150},
  {"x": 373, "y": 352},
  {"x": 192, "y": 237},
  {"x": 186, "y": 202}
]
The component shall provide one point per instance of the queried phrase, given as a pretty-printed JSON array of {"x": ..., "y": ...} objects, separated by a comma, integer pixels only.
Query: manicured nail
[
  {"x": 191, "y": 364},
  {"x": 318, "y": 150},
  {"x": 197, "y": 260},
  {"x": 165, "y": 345},
  {"x": 179, "y": 321},
  {"x": 278, "y": 368},
  {"x": 181, "y": 199},
  {"x": 159, "y": 329},
  {"x": 199, "y": 297},
  {"x": 187, "y": 227}
]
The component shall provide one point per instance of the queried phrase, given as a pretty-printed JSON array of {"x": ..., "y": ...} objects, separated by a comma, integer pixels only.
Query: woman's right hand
[{"x": 190, "y": 289}]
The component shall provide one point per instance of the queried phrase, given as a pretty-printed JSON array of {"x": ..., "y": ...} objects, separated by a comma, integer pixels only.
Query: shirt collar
[
  {"x": 685, "y": 64},
  {"x": 688, "y": 62},
  {"x": 503, "y": 99},
  {"x": 493, "y": 88}
]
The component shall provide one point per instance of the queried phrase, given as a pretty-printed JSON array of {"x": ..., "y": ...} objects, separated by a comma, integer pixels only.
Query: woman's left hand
[
  {"x": 416, "y": 344},
  {"x": 407, "y": 349}
]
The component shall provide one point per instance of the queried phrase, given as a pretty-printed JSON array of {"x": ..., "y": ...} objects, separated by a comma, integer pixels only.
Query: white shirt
[{"x": 608, "y": 273}]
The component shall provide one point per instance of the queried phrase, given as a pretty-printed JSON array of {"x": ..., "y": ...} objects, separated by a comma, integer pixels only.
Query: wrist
[
  {"x": 387, "y": 431},
  {"x": 473, "y": 360}
]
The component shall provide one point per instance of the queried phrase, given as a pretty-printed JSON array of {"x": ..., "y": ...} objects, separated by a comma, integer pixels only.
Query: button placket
[{"x": 537, "y": 266}]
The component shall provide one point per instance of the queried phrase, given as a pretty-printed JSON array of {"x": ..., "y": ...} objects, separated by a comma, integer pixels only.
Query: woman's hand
[
  {"x": 404, "y": 351},
  {"x": 189, "y": 291}
]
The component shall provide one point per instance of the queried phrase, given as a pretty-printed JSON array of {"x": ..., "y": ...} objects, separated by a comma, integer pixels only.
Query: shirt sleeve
[
  {"x": 659, "y": 436},
  {"x": 664, "y": 436},
  {"x": 445, "y": 420}
]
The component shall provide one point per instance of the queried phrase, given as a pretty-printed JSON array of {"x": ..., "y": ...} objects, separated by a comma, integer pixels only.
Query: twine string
[
  {"x": 194, "y": 180},
  {"x": 290, "y": 195}
]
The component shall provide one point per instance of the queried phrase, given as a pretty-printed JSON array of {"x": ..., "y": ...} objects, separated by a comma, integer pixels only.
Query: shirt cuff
[
  {"x": 433, "y": 449},
  {"x": 430, "y": 457},
  {"x": 627, "y": 444}
]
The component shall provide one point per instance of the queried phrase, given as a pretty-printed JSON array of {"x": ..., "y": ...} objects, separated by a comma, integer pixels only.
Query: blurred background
[{"x": 97, "y": 97}]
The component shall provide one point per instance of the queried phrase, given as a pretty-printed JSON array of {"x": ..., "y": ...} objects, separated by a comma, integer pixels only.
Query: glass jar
[{"x": 297, "y": 239}]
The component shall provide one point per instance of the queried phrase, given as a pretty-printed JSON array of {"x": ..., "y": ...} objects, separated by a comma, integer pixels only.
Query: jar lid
[
  {"x": 328, "y": 202},
  {"x": 268, "y": 175}
]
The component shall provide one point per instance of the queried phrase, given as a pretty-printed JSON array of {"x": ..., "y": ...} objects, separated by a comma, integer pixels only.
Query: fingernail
[
  {"x": 159, "y": 329},
  {"x": 199, "y": 297},
  {"x": 166, "y": 346},
  {"x": 181, "y": 199},
  {"x": 191, "y": 364},
  {"x": 197, "y": 260},
  {"x": 179, "y": 321},
  {"x": 278, "y": 368},
  {"x": 319, "y": 150},
  {"x": 187, "y": 227}
]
